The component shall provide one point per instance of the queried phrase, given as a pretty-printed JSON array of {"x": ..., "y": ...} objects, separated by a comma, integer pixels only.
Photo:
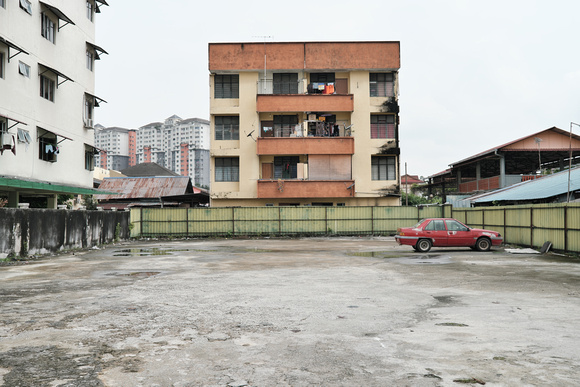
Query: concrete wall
[{"x": 32, "y": 231}]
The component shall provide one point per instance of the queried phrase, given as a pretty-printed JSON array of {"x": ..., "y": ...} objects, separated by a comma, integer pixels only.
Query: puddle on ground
[
  {"x": 145, "y": 252},
  {"x": 426, "y": 259}
]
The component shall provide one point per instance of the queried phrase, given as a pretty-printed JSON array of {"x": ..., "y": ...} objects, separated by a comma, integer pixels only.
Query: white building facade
[
  {"x": 113, "y": 147},
  {"x": 47, "y": 82}
]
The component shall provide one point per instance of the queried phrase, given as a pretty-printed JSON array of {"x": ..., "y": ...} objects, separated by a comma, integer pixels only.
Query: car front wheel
[
  {"x": 483, "y": 244},
  {"x": 423, "y": 245}
]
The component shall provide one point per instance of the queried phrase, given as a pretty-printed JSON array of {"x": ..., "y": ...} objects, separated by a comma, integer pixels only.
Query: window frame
[
  {"x": 47, "y": 87},
  {"x": 48, "y": 28},
  {"x": 23, "y": 69},
  {"x": 284, "y": 124},
  {"x": 383, "y": 171},
  {"x": 90, "y": 152},
  {"x": 220, "y": 125},
  {"x": 226, "y": 86},
  {"x": 285, "y": 83},
  {"x": 90, "y": 10},
  {"x": 43, "y": 143},
  {"x": 90, "y": 59},
  {"x": 381, "y": 128},
  {"x": 227, "y": 169},
  {"x": 381, "y": 87},
  {"x": 26, "y": 6}
]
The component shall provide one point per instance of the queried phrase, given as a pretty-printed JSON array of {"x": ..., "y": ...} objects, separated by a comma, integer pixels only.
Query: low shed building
[{"x": 154, "y": 191}]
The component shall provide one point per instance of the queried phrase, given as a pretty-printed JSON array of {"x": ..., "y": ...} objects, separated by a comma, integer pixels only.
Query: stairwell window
[
  {"x": 227, "y": 169},
  {"x": 383, "y": 168},
  {"x": 227, "y": 86},
  {"x": 382, "y": 126},
  {"x": 227, "y": 127},
  {"x": 47, "y": 28},
  {"x": 382, "y": 84},
  {"x": 47, "y": 87}
]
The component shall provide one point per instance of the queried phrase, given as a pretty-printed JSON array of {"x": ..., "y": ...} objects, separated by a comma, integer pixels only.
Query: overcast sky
[{"x": 474, "y": 74}]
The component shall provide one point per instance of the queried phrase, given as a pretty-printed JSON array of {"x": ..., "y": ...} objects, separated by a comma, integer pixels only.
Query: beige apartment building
[{"x": 304, "y": 123}]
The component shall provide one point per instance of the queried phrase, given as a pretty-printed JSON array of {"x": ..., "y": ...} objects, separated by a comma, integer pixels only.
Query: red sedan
[{"x": 445, "y": 232}]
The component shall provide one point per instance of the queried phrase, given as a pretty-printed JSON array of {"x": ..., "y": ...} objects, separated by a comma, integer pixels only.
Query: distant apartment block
[
  {"x": 48, "y": 60},
  {"x": 313, "y": 123},
  {"x": 180, "y": 145},
  {"x": 114, "y": 150}
]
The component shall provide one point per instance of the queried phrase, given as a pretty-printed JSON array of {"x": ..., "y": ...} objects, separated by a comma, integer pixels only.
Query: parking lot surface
[{"x": 290, "y": 312}]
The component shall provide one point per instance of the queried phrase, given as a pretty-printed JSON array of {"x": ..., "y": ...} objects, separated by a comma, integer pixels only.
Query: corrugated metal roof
[
  {"x": 146, "y": 187},
  {"x": 545, "y": 187}
]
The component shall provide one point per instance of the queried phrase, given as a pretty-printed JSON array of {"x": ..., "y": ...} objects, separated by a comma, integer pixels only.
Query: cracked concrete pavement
[{"x": 289, "y": 312}]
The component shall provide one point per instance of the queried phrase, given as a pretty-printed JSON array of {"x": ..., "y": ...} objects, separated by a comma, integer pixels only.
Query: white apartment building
[
  {"x": 180, "y": 145},
  {"x": 113, "y": 146},
  {"x": 47, "y": 100}
]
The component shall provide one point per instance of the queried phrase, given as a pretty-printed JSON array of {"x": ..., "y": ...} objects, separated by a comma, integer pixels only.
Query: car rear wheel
[
  {"x": 483, "y": 244},
  {"x": 423, "y": 245}
]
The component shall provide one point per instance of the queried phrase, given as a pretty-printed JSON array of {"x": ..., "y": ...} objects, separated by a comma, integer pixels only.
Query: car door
[
  {"x": 458, "y": 234},
  {"x": 437, "y": 232}
]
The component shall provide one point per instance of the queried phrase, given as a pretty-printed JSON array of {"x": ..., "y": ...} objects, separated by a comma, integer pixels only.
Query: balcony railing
[{"x": 490, "y": 183}]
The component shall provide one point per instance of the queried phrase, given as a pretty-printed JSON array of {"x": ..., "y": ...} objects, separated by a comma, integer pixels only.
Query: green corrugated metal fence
[
  {"x": 520, "y": 225},
  {"x": 195, "y": 222},
  {"x": 529, "y": 225}
]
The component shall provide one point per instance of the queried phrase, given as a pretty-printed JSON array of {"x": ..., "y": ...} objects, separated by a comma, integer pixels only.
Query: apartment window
[
  {"x": 26, "y": 5},
  {"x": 382, "y": 126},
  {"x": 3, "y": 3},
  {"x": 227, "y": 86},
  {"x": 47, "y": 28},
  {"x": 47, "y": 147},
  {"x": 90, "y": 59},
  {"x": 47, "y": 87},
  {"x": 227, "y": 169},
  {"x": 284, "y": 126},
  {"x": 1, "y": 64},
  {"x": 382, "y": 85},
  {"x": 90, "y": 153},
  {"x": 285, "y": 83},
  {"x": 383, "y": 168},
  {"x": 24, "y": 69},
  {"x": 90, "y": 10},
  {"x": 286, "y": 167},
  {"x": 227, "y": 127}
]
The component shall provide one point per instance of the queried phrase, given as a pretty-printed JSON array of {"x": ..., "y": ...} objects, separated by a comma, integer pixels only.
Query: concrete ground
[{"x": 290, "y": 312}]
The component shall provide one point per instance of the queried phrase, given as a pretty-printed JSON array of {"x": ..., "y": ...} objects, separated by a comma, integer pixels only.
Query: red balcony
[
  {"x": 280, "y": 103},
  {"x": 280, "y": 146},
  {"x": 278, "y": 189}
]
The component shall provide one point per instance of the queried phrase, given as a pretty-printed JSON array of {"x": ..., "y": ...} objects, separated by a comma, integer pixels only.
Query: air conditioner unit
[
  {"x": 89, "y": 123},
  {"x": 5, "y": 141}
]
